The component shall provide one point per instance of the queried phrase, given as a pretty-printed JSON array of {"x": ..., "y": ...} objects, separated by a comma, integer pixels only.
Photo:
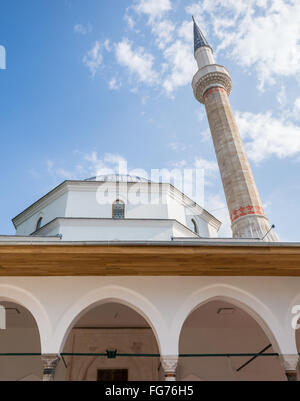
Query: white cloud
[
  {"x": 93, "y": 59},
  {"x": 144, "y": 100},
  {"x": 153, "y": 8},
  {"x": 59, "y": 172},
  {"x": 83, "y": 29},
  {"x": 281, "y": 97},
  {"x": 267, "y": 136},
  {"x": 134, "y": 90},
  {"x": 179, "y": 164},
  {"x": 174, "y": 43},
  {"x": 182, "y": 66},
  {"x": 138, "y": 61},
  {"x": 177, "y": 146},
  {"x": 186, "y": 32},
  {"x": 114, "y": 84},
  {"x": 216, "y": 205},
  {"x": 200, "y": 114},
  {"x": 259, "y": 34},
  {"x": 107, "y": 45},
  {"x": 130, "y": 21},
  {"x": 296, "y": 110},
  {"x": 208, "y": 166},
  {"x": 109, "y": 163},
  {"x": 163, "y": 30},
  {"x": 92, "y": 164}
]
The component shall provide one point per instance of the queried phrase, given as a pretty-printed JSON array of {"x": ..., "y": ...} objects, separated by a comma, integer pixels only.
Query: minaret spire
[
  {"x": 199, "y": 38},
  {"x": 212, "y": 86}
]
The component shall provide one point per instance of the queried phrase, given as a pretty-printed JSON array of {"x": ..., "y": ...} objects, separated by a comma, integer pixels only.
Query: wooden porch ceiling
[{"x": 148, "y": 260}]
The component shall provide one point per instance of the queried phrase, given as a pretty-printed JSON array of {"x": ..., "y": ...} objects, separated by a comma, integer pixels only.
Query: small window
[
  {"x": 195, "y": 226},
  {"x": 39, "y": 223},
  {"x": 112, "y": 375},
  {"x": 118, "y": 212}
]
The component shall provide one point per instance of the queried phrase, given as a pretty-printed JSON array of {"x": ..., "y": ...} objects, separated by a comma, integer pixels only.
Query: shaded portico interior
[
  {"x": 215, "y": 327},
  {"x": 110, "y": 327},
  {"x": 21, "y": 336},
  {"x": 219, "y": 327}
]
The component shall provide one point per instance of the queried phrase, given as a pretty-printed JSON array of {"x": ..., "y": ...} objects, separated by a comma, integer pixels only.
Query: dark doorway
[{"x": 112, "y": 375}]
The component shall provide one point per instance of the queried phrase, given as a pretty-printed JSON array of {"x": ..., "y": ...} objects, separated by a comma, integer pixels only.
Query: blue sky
[{"x": 89, "y": 83}]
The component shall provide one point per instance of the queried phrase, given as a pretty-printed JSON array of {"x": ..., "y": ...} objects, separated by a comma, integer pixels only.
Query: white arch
[
  {"x": 242, "y": 299},
  {"x": 108, "y": 294},
  {"x": 33, "y": 305}
]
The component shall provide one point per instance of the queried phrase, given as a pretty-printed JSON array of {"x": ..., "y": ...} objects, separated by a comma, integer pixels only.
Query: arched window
[
  {"x": 195, "y": 226},
  {"x": 118, "y": 211},
  {"x": 39, "y": 223}
]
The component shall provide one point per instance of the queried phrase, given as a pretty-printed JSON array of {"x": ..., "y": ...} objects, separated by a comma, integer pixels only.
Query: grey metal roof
[
  {"x": 118, "y": 178},
  {"x": 195, "y": 242},
  {"x": 199, "y": 38}
]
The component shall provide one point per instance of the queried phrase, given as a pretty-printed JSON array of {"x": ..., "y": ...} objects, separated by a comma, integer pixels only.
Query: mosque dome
[{"x": 118, "y": 178}]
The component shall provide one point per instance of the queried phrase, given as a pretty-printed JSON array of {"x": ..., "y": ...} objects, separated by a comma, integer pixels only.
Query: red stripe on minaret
[
  {"x": 246, "y": 211},
  {"x": 213, "y": 90}
]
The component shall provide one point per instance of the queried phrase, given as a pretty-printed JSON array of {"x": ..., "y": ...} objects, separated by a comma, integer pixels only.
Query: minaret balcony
[{"x": 211, "y": 76}]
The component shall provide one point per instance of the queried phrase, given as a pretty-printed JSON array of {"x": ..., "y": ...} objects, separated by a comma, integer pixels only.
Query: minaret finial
[{"x": 199, "y": 38}]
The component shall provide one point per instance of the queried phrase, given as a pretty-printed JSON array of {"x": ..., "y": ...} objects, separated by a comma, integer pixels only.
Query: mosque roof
[
  {"x": 199, "y": 38},
  {"x": 118, "y": 178}
]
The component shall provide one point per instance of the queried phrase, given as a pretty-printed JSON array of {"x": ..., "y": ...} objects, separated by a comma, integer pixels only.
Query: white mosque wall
[
  {"x": 94, "y": 201},
  {"x": 205, "y": 229},
  {"x": 212, "y": 232},
  {"x": 72, "y": 229},
  {"x": 130, "y": 231},
  {"x": 48, "y": 210},
  {"x": 89, "y": 203},
  {"x": 176, "y": 210}
]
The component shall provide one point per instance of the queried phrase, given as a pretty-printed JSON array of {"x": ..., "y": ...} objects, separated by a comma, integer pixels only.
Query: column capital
[
  {"x": 290, "y": 364},
  {"x": 169, "y": 364},
  {"x": 50, "y": 362}
]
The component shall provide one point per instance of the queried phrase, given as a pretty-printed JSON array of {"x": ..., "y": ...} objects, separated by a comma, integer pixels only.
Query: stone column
[
  {"x": 169, "y": 364},
  {"x": 290, "y": 366},
  {"x": 50, "y": 363}
]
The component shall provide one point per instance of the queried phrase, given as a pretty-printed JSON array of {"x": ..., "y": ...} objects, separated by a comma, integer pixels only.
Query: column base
[
  {"x": 291, "y": 376},
  {"x": 170, "y": 377}
]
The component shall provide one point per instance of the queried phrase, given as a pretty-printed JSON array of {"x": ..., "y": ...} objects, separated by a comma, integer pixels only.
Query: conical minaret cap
[{"x": 199, "y": 38}]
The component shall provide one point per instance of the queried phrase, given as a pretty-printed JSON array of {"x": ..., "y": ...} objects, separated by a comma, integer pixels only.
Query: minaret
[{"x": 212, "y": 86}]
